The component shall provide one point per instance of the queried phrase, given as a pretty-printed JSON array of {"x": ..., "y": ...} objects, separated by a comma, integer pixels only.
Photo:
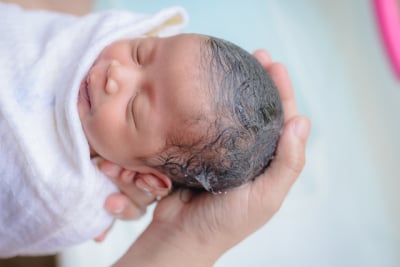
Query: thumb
[{"x": 288, "y": 162}]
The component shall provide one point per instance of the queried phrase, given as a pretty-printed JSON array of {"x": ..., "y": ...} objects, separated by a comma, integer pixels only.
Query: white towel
[{"x": 51, "y": 194}]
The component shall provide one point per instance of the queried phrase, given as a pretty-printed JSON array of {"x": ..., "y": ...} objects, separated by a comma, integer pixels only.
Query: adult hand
[
  {"x": 191, "y": 229},
  {"x": 131, "y": 202}
]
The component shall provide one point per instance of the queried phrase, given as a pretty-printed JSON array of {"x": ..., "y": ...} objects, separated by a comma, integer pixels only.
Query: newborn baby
[{"x": 192, "y": 110}]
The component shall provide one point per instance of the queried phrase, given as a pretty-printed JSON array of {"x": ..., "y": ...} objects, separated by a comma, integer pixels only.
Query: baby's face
[{"x": 137, "y": 93}]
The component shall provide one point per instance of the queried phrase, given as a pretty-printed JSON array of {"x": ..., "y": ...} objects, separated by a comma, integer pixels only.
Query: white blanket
[{"x": 51, "y": 194}]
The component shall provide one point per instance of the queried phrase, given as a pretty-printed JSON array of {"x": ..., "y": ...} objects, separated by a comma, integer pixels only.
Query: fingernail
[
  {"x": 118, "y": 210},
  {"x": 301, "y": 128},
  {"x": 142, "y": 186}
]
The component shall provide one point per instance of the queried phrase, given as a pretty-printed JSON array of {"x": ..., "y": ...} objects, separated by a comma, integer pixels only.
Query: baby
[
  {"x": 184, "y": 110},
  {"x": 195, "y": 110}
]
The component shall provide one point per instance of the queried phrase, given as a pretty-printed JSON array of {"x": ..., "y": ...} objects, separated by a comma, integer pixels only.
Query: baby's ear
[{"x": 155, "y": 183}]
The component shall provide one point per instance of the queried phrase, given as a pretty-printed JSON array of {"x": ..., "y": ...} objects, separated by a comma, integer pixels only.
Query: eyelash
[
  {"x": 137, "y": 58},
  {"x": 130, "y": 110}
]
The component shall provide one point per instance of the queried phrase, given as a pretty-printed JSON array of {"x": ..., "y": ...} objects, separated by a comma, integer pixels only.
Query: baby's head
[
  {"x": 196, "y": 110},
  {"x": 239, "y": 137}
]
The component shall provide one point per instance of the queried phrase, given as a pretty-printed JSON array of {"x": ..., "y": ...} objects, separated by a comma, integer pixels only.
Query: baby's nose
[
  {"x": 121, "y": 77},
  {"x": 114, "y": 73},
  {"x": 112, "y": 77}
]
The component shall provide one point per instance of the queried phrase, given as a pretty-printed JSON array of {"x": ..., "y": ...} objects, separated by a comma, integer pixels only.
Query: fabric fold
[{"x": 52, "y": 194}]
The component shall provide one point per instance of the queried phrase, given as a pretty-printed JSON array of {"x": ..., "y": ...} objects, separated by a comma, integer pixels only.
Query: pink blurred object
[{"x": 388, "y": 16}]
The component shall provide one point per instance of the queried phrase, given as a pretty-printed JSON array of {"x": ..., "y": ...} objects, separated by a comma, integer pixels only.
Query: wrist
[{"x": 161, "y": 245}]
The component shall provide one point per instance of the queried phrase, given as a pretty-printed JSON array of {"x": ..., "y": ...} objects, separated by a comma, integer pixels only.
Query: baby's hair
[{"x": 240, "y": 140}]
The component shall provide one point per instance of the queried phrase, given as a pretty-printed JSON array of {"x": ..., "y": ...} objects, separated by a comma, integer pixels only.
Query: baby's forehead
[{"x": 193, "y": 127}]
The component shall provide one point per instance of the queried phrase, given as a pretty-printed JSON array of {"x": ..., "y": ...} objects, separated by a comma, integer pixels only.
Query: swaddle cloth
[{"x": 51, "y": 193}]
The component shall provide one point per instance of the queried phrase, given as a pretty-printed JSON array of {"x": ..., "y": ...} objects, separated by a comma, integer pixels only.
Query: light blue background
[{"x": 344, "y": 210}]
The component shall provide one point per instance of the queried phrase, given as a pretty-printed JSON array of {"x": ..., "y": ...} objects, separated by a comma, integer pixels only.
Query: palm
[{"x": 211, "y": 214}]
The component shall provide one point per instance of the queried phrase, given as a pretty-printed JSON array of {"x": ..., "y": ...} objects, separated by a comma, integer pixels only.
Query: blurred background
[{"x": 345, "y": 209}]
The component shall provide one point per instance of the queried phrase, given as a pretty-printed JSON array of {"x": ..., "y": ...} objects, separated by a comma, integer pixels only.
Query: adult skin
[{"x": 185, "y": 223}]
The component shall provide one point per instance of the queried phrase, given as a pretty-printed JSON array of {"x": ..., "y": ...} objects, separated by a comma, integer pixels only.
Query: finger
[
  {"x": 263, "y": 57},
  {"x": 275, "y": 183},
  {"x": 124, "y": 181},
  {"x": 121, "y": 207},
  {"x": 110, "y": 169},
  {"x": 282, "y": 81},
  {"x": 141, "y": 197}
]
